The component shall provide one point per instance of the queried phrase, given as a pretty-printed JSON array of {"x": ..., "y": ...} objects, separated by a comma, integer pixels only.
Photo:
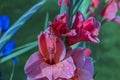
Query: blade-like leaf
[
  {"x": 18, "y": 24},
  {"x": 46, "y": 21},
  {"x": 84, "y": 6},
  {"x": 74, "y": 1},
  {"x": 21, "y": 47},
  {"x": 77, "y": 6},
  {"x": 19, "y": 52},
  {"x": 24, "y": 46}
]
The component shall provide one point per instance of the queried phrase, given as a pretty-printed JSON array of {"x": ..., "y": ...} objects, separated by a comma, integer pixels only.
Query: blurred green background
[{"x": 106, "y": 54}]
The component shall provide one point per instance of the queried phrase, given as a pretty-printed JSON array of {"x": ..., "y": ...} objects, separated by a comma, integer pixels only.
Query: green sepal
[{"x": 63, "y": 7}]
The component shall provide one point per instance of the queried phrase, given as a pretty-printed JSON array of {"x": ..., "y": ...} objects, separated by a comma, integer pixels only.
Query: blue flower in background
[
  {"x": 4, "y": 23},
  {"x": 7, "y": 49}
]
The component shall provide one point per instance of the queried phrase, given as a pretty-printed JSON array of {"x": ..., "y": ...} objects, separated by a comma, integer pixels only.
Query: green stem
[
  {"x": 12, "y": 74},
  {"x": 70, "y": 16}
]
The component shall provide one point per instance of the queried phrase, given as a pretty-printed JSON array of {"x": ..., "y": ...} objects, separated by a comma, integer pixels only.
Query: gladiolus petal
[
  {"x": 36, "y": 79},
  {"x": 110, "y": 10},
  {"x": 32, "y": 69},
  {"x": 51, "y": 48},
  {"x": 117, "y": 19},
  {"x": 85, "y": 75},
  {"x": 68, "y": 68},
  {"x": 88, "y": 65},
  {"x": 78, "y": 57}
]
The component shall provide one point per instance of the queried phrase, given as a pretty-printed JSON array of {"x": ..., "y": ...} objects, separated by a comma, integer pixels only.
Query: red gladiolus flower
[
  {"x": 87, "y": 30},
  {"x": 51, "y": 61},
  {"x": 84, "y": 67},
  {"x": 59, "y": 26},
  {"x": 110, "y": 11},
  {"x": 65, "y": 1}
]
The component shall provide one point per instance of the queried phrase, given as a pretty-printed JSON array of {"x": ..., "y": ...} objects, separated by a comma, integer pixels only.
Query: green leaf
[
  {"x": 24, "y": 46},
  {"x": 46, "y": 21},
  {"x": 20, "y": 51},
  {"x": 63, "y": 7},
  {"x": 76, "y": 8},
  {"x": 84, "y": 6},
  {"x": 74, "y": 1},
  {"x": 18, "y": 24}
]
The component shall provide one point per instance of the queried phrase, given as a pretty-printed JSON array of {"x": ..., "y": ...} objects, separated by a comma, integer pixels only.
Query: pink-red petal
[
  {"x": 110, "y": 10},
  {"x": 33, "y": 65},
  {"x": 64, "y": 69},
  {"x": 118, "y": 4},
  {"x": 68, "y": 68},
  {"x": 88, "y": 66},
  {"x": 51, "y": 48},
  {"x": 78, "y": 57},
  {"x": 51, "y": 71},
  {"x": 95, "y": 3},
  {"x": 78, "y": 20},
  {"x": 117, "y": 19},
  {"x": 43, "y": 45},
  {"x": 60, "y": 50},
  {"x": 36, "y": 79},
  {"x": 84, "y": 75}
]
